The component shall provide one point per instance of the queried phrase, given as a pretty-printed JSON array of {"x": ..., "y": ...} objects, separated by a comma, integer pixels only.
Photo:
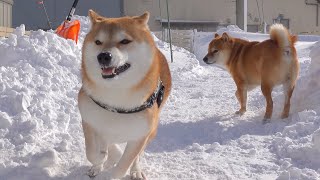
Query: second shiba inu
[
  {"x": 126, "y": 81},
  {"x": 268, "y": 63}
]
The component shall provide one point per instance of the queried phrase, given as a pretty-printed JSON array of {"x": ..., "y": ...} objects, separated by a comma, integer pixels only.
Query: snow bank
[
  {"x": 202, "y": 39},
  {"x": 298, "y": 143},
  {"x": 39, "y": 80}
]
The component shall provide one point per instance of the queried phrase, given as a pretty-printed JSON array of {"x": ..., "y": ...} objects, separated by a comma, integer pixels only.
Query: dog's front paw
[
  {"x": 109, "y": 164},
  {"x": 94, "y": 170},
  {"x": 284, "y": 115},
  {"x": 112, "y": 161},
  {"x": 241, "y": 112},
  {"x": 117, "y": 173},
  {"x": 266, "y": 120},
  {"x": 137, "y": 175}
]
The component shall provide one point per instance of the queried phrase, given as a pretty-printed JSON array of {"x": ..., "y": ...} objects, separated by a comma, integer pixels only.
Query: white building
[{"x": 299, "y": 16}]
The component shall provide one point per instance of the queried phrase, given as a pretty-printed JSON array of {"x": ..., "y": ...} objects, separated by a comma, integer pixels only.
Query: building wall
[
  {"x": 138, "y": 7},
  {"x": 6, "y": 13},
  {"x": 30, "y": 13},
  {"x": 302, "y": 17},
  {"x": 221, "y": 11}
]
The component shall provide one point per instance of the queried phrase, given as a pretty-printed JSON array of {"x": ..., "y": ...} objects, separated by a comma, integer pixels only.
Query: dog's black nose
[
  {"x": 205, "y": 59},
  {"x": 104, "y": 58}
]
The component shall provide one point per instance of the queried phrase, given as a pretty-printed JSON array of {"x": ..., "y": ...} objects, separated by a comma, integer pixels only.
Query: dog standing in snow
[
  {"x": 126, "y": 81},
  {"x": 268, "y": 63}
]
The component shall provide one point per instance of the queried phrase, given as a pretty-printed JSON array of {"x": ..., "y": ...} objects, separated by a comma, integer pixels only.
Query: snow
[{"x": 199, "y": 135}]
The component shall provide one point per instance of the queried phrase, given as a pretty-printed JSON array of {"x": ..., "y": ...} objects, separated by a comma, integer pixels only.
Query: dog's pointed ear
[
  {"x": 216, "y": 35},
  {"x": 94, "y": 17},
  {"x": 143, "y": 19},
  {"x": 225, "y": 37},
  {"x": 294, "y": 39}
]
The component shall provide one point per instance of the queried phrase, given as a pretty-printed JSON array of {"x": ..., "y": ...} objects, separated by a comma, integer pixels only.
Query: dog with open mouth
[{"x": 126, "y": 81}]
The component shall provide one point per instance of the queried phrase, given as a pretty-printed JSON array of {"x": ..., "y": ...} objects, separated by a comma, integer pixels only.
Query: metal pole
[
  {"x": 121, "y": 8},
  {"x": 45, "y": 11},
  {"x": 317, "y": 18},
  {"x": 317, "y": 11},
  {"x": 162, "y": 32},
  {"x": 169, "y": 32},
  {"x": 245, "y": 12}
]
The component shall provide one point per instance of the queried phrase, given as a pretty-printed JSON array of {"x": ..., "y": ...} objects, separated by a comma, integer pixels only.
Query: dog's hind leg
[
  {"x": 289, "y": 86},
  {"x": 266, "y": 91},
  {"x": 241, "y": 95},
  {"x": 288, "y": 90},
  {"x": 96, "y": 149}
]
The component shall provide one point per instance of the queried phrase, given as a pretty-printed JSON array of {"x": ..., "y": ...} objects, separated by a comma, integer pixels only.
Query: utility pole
[
  {"x": 169, "y": 28},
  {"x": 241, "y": 14},
  {"x": 122, "y": 13}
]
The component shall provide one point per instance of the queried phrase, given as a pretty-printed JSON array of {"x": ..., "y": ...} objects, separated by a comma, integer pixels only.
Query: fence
[
  {"x": 180, "y": 38},
  {"x": 5, "y": 31}
]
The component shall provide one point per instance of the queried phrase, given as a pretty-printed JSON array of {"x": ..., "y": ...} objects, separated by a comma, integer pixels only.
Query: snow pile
[
  {"x": 298, "y": 143},
  {"x": 202, "y": 39},
  {"x": 229, "y": 28},
  {"x": 199, "y": 136},
  {"x": 39, "y": 80},
  {"x": 84, "y": 26}
]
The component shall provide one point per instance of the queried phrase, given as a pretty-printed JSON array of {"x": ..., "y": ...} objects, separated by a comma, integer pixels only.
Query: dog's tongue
[{"x": 108, "y": 70}]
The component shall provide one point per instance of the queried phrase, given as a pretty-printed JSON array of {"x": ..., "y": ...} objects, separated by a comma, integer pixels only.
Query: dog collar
[{"x": 157, "y": 95}]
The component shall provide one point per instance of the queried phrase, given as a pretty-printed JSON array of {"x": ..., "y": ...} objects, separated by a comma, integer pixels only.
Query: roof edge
[{"x": 8, "y": 1}]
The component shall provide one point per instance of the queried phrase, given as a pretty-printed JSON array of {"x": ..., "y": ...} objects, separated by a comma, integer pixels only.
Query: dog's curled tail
[{"x": 281, "y": 36}]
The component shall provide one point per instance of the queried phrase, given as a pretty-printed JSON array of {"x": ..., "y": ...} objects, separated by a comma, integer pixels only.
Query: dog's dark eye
[
  {"x": 125, "y": 41},
  {"x": 98, "y": 42},
  {"x": 215, "y": 51}
]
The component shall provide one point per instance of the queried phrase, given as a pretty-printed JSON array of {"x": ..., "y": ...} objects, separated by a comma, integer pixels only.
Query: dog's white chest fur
[{"x": 113, "y": 127}]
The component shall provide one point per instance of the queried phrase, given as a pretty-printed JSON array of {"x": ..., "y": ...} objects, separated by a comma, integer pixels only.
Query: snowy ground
[{"x": 199, "y": 136}]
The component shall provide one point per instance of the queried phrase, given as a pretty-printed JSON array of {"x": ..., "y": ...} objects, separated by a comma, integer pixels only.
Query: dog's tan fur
[
  {"x": 268, "y": 63},
  {"x": 98, "y": 149}
]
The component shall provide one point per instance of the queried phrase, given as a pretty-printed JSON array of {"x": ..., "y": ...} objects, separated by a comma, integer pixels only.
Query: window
[{"x": 280, "y": 19}]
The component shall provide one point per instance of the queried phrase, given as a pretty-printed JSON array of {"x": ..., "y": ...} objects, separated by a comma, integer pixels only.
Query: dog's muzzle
[
  {"x": 108, "y": 71},
  {"x": 104, "y": 58},
  {"x": 206, "y": 60},
  {"x": 111, "y": 72}
]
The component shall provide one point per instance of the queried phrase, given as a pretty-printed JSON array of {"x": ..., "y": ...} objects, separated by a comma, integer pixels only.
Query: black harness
[{"x": 156, "y": 96}]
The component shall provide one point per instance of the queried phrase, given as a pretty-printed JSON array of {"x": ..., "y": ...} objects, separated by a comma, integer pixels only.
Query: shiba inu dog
[
  {"x": 268, "y": 63},
  {"x": 126, "y": 81}
]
